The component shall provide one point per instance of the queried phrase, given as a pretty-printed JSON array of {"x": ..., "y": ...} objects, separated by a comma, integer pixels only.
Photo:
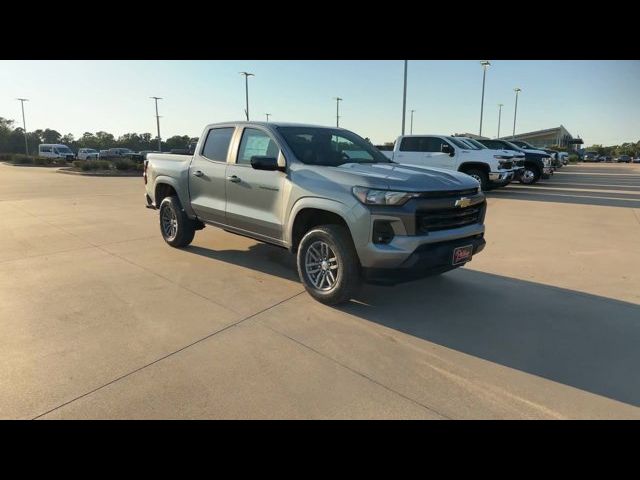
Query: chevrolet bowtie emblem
[{"x": 463, "y": 202}]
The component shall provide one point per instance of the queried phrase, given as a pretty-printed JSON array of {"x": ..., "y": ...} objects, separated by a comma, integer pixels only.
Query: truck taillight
[{"x": 144, "y": 171}]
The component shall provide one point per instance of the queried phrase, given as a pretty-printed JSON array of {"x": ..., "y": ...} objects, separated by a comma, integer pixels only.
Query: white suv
[{"x": 88, "y": 154}]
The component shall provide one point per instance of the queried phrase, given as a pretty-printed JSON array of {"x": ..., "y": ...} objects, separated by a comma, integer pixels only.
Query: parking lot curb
[{"x": 68, "y": 171}]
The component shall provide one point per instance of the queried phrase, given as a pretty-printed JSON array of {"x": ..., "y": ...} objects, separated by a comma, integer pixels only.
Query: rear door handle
[
  {"x": 198, "y": 173},
  {"x": 233, "y": 179}
]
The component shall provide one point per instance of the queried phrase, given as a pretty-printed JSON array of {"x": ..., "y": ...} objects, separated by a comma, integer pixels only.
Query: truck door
[
  {"x": 207, "y": 172},
  {"x": 410, "y": 151},
  {"x": 254, "y": 197},
  {"x": 434, "y": 155}
]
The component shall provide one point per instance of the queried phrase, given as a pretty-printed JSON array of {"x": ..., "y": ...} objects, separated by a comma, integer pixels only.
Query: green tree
[
  {"x": 68, "y": 140},
  {"x": 178, "y": 141},
  {"x": 105, "y": 140},
  {"x": 50, "y": 136}
]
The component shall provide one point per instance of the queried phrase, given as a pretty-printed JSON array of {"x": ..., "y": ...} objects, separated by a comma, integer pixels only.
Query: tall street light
[
  {"x": 411, "y": 130},
  {"x": 158, "y": 123},
  {"x": 246, "y": 91},
  {"x": 24, "y": 125},
  {"x": 268, "y": 115},
  {"x": 500, "y": 105},
  {"x": 404, "y": 96},
  {"x": 485, "y": 64},
  {"x": 515, "y": 112},
  {"x": 338, "y": 100}
]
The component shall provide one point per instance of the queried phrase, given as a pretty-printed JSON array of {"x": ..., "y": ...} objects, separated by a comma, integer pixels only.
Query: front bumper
[
  {"x": 501, "y": 178},
  {"x": 547, "y": 172},
  {"x": 426, "y": 260}
]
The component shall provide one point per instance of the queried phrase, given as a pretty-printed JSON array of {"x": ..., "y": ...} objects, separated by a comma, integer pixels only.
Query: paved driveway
[{"x": 100, "y": 319}]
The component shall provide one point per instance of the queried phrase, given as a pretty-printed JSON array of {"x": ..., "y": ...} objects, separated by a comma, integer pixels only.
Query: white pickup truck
[{"x": 491, "y": 169}]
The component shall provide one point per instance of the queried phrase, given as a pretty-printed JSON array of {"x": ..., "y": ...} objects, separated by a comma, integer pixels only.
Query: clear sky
[{"x": 598, "y": 100}]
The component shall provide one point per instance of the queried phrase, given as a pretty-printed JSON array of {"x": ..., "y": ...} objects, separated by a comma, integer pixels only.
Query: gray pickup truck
[{"x": 348, "y": 212}]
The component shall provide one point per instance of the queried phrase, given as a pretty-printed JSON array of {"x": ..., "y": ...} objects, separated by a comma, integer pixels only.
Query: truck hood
[
  {"x": 537, "y": 152},
  {"x": 408, "y": 178}
]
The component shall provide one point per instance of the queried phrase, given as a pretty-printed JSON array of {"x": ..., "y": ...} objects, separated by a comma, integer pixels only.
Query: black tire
[
  {"x": 182, "y": 231},
  {"x": 481, "y": 176},
  {"x": 529, "y": 175},
  {"x": 348, "y": 278}
]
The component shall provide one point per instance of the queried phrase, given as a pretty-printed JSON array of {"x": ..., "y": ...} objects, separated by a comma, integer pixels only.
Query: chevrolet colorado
[{"x": 347, "y": 212}]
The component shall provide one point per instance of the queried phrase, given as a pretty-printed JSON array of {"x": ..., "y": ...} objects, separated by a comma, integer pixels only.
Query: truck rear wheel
[
  {"x": 328, "y": 264},
  {"x": 177, "y": 229}
]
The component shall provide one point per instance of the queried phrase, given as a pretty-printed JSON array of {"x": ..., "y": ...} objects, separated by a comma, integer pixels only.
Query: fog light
[{"x": 382, "y": 232}]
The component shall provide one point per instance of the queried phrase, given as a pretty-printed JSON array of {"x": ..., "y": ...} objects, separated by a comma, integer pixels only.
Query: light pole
[
  {"x": 404, "y": 96},
  {"x": 411, "y": 129},
  {"x": 158, "y": 123},
  {"x": 338, "y": 100},
  {"x": 268, "y": 115},
  {"x": 500, "y": 105},
  {"x": 24, "y": 125},
  {"x": 515, "y": 112},
  {"x": 485, "y": 64},
  {"x": 246, "y": 90}
]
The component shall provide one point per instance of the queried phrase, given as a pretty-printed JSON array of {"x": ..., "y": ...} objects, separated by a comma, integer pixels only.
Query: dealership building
[
  {"x": 558, "y": 136},
  {"x": 550, "y": 137}
]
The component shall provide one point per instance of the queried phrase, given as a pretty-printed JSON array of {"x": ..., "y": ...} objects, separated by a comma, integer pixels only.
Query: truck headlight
[
  {"x": 370, "y": 196},
  {"x": 546, "y": 161}
]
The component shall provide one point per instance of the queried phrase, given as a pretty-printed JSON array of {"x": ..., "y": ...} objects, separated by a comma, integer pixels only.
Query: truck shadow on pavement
[{"x": 581, "y": 340}]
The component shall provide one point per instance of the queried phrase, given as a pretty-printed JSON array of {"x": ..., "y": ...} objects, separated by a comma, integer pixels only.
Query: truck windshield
[
  {"x": 459, "y": 143},
  {"x": 512, "y": 146},
  {"x": 330, "y": 146},
  {"x": 475, "y": 142}
]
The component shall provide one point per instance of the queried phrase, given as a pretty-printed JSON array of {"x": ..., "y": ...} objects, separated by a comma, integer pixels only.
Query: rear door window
[
  {"x": 216, "y": 146},
  {"x": 412, "y": 144}
]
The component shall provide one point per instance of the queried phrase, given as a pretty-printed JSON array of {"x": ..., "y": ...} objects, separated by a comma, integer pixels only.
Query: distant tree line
[
  {"x": 627, "y": 148},
  {"x": 12, "y": 140}
]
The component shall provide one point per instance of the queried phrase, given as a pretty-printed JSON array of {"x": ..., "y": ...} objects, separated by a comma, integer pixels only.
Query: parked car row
[
  {"x": 493, "y": 163},
  {"x": 594, "y": 157},
  {"x": 50, "y": 150}
]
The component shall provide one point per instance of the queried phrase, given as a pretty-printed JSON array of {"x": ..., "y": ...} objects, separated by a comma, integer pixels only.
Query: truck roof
[{"x": 270, "y": 124}]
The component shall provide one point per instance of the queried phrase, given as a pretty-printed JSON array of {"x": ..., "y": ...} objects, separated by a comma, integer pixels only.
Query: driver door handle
[
  {"x": 234, "y": 179},
  {"x": 198, "y": 173}
]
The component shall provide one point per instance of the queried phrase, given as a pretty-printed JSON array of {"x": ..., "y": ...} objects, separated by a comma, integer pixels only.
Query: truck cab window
[{"x": 216, "y": 146}]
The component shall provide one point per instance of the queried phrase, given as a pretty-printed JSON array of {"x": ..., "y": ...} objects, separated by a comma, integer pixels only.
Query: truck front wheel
[
  {"x": 177, "y": 229},
  {"x": 328, "y": 264},
  {"x": 529, "y": 175},
  {"x": 481, "y": 177}
]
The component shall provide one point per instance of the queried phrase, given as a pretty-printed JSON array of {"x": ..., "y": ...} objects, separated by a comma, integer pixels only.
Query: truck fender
[
  {"x": 480, "y": 165},
  {"x": 166, "y": 180},
  {"x": 329, "y": 205}
]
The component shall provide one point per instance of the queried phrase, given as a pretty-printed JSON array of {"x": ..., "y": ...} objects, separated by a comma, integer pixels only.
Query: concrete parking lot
[{"x": 99, "y": 318}]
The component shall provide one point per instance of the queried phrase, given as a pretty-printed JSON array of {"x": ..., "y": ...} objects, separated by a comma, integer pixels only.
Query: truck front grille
[
  {"x": 449, "y": 218},
  {"x": 506, "y": 165}
]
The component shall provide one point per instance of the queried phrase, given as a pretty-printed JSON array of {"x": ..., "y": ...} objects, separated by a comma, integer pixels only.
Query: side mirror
[
  {"x": 260, "y": 162},
  {"x": 446, "y": 148}
]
